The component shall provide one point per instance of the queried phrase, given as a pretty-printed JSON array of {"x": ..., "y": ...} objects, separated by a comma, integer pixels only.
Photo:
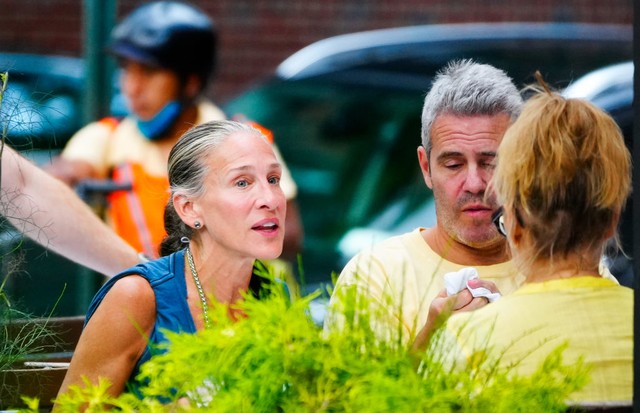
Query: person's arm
[
  {"x": 115, "y": 337},
  {"x": 49, "y": 212},
  {"x": 71, "y": 171},
  {"x": 443, "y": 306}
]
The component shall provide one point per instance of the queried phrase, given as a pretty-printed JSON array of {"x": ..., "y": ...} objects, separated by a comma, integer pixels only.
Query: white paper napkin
[{"x": 456, "y": 281}]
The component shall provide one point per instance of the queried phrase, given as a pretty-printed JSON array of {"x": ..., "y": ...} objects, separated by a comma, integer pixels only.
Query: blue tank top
[{"x": 166, "y": 277}]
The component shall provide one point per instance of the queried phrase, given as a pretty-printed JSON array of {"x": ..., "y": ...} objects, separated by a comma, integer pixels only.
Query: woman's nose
[{"x": 270, "y": 196}]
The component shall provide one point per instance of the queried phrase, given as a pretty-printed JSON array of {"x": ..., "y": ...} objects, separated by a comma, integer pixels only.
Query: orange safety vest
[{"x": 138, "y": 215}]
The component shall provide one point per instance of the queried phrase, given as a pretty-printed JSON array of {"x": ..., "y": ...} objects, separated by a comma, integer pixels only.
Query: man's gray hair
[{"x": 467, "y": 88}]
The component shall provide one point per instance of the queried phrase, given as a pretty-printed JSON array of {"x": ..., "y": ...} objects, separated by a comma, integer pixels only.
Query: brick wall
[{"x": 256, "y": 35}]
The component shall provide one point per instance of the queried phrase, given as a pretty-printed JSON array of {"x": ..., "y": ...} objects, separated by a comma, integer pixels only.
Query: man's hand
[{"x": 70, "y": 171}]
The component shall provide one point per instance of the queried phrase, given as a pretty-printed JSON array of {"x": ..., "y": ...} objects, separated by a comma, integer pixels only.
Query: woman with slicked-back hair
[
  {"x": 226, "y": 210},
  {"x": 562, "y": 177}
]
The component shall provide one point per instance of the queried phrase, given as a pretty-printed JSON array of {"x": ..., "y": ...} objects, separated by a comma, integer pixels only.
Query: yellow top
[
  {"x": 403, "y": 275},
  {"x": 593, "y": 315}
]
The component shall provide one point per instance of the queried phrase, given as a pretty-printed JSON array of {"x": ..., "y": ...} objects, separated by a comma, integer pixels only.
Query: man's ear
[
  {"x": 186, "y": 209},
  {"x": 425, "y": 166}
]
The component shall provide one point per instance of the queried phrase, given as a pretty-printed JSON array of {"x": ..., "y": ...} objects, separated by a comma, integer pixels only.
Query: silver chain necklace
[{"x": 196, "y": 279}]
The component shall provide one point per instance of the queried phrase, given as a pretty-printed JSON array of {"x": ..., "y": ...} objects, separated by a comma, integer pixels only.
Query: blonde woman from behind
[{"x": 562, "y": 177}]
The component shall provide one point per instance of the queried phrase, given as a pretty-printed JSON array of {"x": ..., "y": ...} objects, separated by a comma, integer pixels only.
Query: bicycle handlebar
[{"x": 88, "y": 188}]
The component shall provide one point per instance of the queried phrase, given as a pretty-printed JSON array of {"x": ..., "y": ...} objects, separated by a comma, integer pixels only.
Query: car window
[{"x": 39, "y": 119}]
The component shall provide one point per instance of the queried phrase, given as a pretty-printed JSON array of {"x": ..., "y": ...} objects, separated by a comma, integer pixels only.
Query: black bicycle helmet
[{"x": 168, "y": 34}]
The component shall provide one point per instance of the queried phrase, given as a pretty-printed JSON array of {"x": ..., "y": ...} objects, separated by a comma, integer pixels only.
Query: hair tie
[{"x": 184, "y": 240}]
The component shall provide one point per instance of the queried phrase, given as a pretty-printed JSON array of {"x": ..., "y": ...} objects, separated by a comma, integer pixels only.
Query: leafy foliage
[{"x": 276, "y": 359}]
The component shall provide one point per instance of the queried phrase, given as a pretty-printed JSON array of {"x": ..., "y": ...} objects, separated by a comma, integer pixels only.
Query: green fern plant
[{"x": 277, "y": 359}]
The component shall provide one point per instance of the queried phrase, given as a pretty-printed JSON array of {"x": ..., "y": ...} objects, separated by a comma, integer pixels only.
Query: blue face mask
[{"x": 155, "y": 127}]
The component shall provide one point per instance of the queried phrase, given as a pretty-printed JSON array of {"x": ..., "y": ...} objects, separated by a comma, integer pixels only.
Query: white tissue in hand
[
  {"x": 457, "y": 281},
  {"x": 484, "y": 292}
]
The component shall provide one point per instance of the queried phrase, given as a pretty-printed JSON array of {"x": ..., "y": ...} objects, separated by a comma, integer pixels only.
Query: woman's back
[{"x": 592, "y": 315}]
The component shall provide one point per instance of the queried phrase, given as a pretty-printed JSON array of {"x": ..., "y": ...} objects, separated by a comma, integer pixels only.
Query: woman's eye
[
  {"x": 274, "y": 180},
  {"x": 242, "y": 183}
]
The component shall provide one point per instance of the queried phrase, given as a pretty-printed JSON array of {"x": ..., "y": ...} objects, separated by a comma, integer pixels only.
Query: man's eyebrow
[
  {"x": 455, "y": 154},
  {"x": 448, "y": 154},
  {"x": 489, "y": 153}
]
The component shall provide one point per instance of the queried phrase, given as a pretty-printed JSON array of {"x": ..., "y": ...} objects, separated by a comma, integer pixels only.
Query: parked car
[
  {"x": 41, "y": 107},
  {"x": 345, "y": 112}
]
